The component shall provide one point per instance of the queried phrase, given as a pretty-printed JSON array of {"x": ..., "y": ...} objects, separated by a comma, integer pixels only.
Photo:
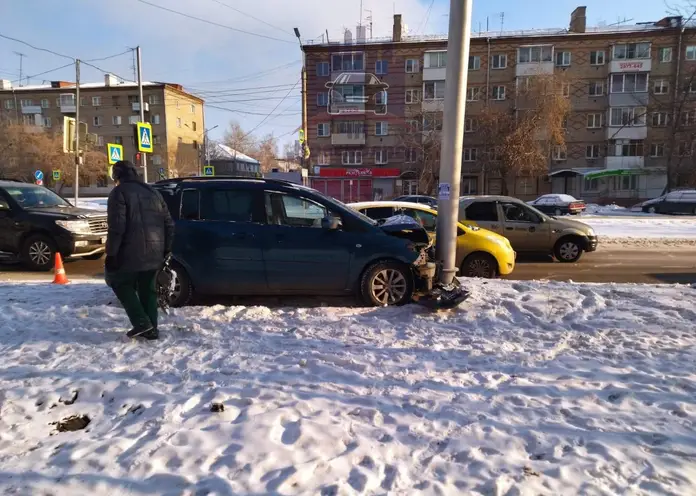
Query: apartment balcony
[
  {"x": 31, "y": 109},
  {"x": 348, "y": 139},
  {"x": 614, "y": 163},
  {"x": 136, "y": 107},
  {"x": 434, "y": 73},
  {"x": 523, "y": 69},
  {"x": 635, "y": 99},
  {"x": 634, "y": 65},
  {"x": 433, "y": 105},
  {"x": 627, "y": 132}
]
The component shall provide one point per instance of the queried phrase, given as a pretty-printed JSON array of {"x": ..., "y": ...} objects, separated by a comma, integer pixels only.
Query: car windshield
[
  {"x": 344, "y": 208},
  {"x": 35, "y": 197}
]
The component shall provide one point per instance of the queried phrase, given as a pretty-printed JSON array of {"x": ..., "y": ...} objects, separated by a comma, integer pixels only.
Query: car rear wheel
[
  {"x": 479, "y": 265},
  {"x": 183, "y": 289},
  {"x": 652, "y": 210},
  {"x": 558, "y": 212},
  {"x": 568, "y": 250},
  {"x": 387, "y": 283},
  {"x": 39, "y": 252}
]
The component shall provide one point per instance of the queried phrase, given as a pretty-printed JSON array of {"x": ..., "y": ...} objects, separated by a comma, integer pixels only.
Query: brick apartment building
[
  {"x": 625, "y": 82},
  {"x": 110, "y": 109}
]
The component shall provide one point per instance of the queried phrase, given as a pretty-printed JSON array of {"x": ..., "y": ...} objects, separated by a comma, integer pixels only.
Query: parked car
[
  {"x": 528, "y": 229},
  {"x": 559, "y": 205},
  {"x": 675, "y": 202},
  {"x": 243, "y": 236},
  {"x": 480, "y": 253},
  {"x": 36, "y": 223},
  {"x": 422, "y": 199}
]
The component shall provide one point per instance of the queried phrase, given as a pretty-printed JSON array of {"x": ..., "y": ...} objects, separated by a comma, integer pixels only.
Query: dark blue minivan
[{"x": 244, "y": 236}]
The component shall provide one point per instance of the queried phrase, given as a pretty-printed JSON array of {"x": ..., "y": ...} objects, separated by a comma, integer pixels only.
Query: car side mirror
[
  {"x": 330, "y": 222},
  {"x": 4, "y": 206}
]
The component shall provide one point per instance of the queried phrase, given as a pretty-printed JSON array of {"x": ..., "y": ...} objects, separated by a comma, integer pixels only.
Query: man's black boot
[{"x": 140, "y": 331}]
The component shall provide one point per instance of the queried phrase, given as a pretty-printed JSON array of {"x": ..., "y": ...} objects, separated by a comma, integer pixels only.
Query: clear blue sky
[{"x": 225, "y": 63}]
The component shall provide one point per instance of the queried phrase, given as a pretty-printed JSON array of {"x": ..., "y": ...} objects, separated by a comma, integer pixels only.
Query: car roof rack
[{"x": 177, "y": 180}]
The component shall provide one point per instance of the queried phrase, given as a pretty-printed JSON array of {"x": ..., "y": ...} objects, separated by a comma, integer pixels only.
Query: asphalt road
[{"x": 608, "y": 264}]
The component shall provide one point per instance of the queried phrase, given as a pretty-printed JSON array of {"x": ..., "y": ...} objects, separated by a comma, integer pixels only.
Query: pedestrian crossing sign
[
  {"x": 144, "y": 137},
  {"x": 208, "y": 170},
  {"x": 114, "y": 152},
  {"x": 56, "y": 175}
]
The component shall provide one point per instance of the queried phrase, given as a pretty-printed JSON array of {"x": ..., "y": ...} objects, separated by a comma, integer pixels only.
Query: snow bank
[{"x": 528, "y": 388}]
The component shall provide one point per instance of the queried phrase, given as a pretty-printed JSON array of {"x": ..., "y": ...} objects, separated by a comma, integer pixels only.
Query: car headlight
[
  {"x": 75, "y": 226},
  {"x": 590, "y": 232}
]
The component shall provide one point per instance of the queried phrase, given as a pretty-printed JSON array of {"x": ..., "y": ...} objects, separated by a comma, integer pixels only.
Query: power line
[
  {"x": 47, "y": 72},
  {"x": 252, "y": 17},
  {"x": 213, "y": 23},
  {"x": 105, "y": 71},
  {"x": 236, "y": 111},
  {"x": 36, "y": 48},
  {"x": 274, "y": 109}
]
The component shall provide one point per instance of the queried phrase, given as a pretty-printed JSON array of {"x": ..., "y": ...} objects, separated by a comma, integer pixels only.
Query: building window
[
  {"x": 628, "y": 51},
  {"x": 381, "y": 98},
  {"x": 468, "y": 186},
  {"x": 533, "y": 54},
  {"x": 432, "y": 122},
  {"x": 323, "y": 69},
  {"x": 28, "y": 120},
  {"x": 26, "y": 103},
  {"x": 115, "y": 101},
  {"x": 498, "y": 92},
  {"x": 410, "y": 155},
  {"x": 474, "y": 62},
  {"x": 661, "y": 87},
  {"x": 116, "y": 120},
  {"x": 9, "y": 105},
  {"x": 499, "y": 61},
  {"x": 659, "y": 119},
  {"x": 97, "y": 120},
  {"x": 687, "y": 118},
  {"x": 627, "y": 116},
  {"x": 412, "y": 126},
  {"x": 597, "y": 57},
  {"x": 594, "y": 120},
  {"x": 322, "y": 99},
  {"x": 324, "y": 158},
  {"x": 664, "y": 54},
  {"x": 194, "y": 126},
  {"x": 154, "y": 100},
  {"x": 413, "y": 96},
  {"x": 96, "y": 101},
  {"x": 624, "y": 183},
  {"x": 410, "y": 187},
  {"x": 381, "y": 129},
  {"x": 133, "y": 99},
  {"x": 155, "y": 119},
  {"x": 657, "y": 150},
  {"x": 628, "y": 148},
  {"x": 473, "y": 94},
  {"x": 47, "y": 122},
  {"x": 469, "y": 154},
  {"x": 45, "y": 103},
  {"x": 469, "y": 125},
  {"x": 354, "y": 128},
  {"x": 684, "y": 149},
  {"x": 411, "y": 66},
  {"x": 559, "y": 153},
  {"x": 323, "y": 129},
  {"x": 434, "y": 90},
  {"x": 156, "y": 140},
  {"x": 156, "y": 160},
  {"x": 562, "y": 59},
  {"x": 592, "y": 151},
  {"x": 348, "y": 61},
  {"x": 596, "y": 88},
  {"x": 133, "y": 119},
  {"x": 381, "y": 156},
  {"x": 381, "y": 66},
  {"x": 353, "y": 157},
  {"x": 192, "y": 109},
  {"x": 691, "y": 52},
  {"x": 629, "y": 83},
  {"x": 118, "y": 140},
  {"x": 435, "y": 60},
  {"x": 178, "y": 122},
  {"x": 83, "y": 102},
  {"x": 100, "y": 140}
]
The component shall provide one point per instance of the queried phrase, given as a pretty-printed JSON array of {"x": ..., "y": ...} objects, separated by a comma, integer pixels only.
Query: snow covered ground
[{"x": 528, "y": 388}]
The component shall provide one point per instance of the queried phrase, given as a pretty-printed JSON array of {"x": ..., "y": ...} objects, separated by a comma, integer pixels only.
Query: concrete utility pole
[
  {"x": 76, "y": 182},
  {"x": 304, "y": 101},
  {"x": 453, "y": 136},
  {"x": 143, "y": 155}
]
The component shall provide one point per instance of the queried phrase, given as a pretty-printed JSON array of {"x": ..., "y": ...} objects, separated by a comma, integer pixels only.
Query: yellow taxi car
[{"x": 480, "y": 253}]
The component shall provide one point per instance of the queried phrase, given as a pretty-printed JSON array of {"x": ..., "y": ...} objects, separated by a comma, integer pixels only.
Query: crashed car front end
[{"x": 427, "y": 290}]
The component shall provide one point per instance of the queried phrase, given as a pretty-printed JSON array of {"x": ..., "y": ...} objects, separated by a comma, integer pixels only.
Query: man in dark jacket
[{"x": 140, "y": 237}]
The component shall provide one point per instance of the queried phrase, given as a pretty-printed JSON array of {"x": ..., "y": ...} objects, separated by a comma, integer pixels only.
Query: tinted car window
[
  {"x": 378, "y": 213},
  {"x": 228, "y": 205},
  {"x": 514, "y": 212},
  {"x": 482, "y": 211},
  {"x": 190, "y": 205},
  {"x": 302, "y": 213},
  {"x": 426, "y": 219}
]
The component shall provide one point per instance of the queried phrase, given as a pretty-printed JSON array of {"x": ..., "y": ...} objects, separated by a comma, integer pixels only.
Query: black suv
[{"x": 36, "y": 223}]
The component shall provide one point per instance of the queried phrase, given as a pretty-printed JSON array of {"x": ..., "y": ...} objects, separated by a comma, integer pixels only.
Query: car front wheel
[
  {"x": 181, "y": 293},
  {"x": 568, "y": 250},
  {"x": 479, "y": 265},
  {"x": 651, "y": 210},
  {"x": 38, "y": 252},
  {"x": 387, "y": 283}
]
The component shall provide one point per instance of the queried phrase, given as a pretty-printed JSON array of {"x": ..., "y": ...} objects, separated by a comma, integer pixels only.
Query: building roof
[{"x": 226, "y": 152}]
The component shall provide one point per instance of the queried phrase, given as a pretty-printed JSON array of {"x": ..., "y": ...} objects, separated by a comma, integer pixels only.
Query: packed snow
[{"x": 527, "y": 388}]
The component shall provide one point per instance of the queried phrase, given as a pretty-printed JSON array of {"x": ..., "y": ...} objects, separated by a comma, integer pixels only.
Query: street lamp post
[
  {"x": 204, "y": 134},
  {"x": 304, "y": 100}
]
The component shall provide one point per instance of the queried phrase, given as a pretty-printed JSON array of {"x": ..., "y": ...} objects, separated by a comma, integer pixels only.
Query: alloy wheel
[
  {"x": 389, "y": 286},
  {"x": 479, "y": 267},
  {"x": 569, "y": 251},
  {"x": 40, "y": 253}
]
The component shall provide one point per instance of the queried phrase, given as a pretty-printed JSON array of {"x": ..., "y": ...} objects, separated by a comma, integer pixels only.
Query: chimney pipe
[
  {"x": 396, "y": 35},
  {"x": 578, "y": 20}
]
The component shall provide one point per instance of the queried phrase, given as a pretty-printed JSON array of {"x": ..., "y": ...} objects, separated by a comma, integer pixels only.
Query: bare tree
[
  {"x": 520, "y": 141},
  {"x": 421, "y": 137},
  {"x": 237, "y": 139}
]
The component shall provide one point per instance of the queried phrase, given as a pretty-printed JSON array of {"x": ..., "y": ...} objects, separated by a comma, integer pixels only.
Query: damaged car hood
[{"x": 405, "y": 227}]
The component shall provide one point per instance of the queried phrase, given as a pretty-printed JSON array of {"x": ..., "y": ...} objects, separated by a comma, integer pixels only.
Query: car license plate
[{"x": 103, "y": 239}]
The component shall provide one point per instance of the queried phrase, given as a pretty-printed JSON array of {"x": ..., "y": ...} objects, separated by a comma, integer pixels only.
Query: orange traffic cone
[{"x": 60, "y": 277}]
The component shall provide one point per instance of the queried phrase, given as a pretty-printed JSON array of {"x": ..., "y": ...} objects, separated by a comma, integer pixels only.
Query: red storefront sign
[
  {"x": 358, "y": 172},
  {"x": 350, "y": 184}
]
